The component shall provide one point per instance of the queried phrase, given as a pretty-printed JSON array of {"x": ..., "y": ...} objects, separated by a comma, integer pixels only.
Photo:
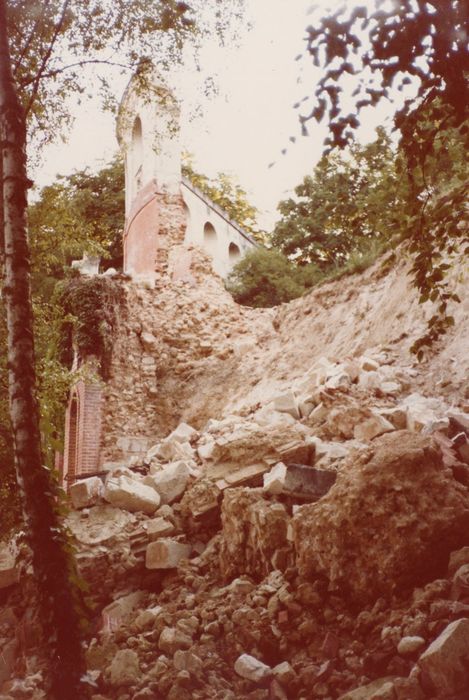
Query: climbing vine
[{"x": 90, "y": 310}]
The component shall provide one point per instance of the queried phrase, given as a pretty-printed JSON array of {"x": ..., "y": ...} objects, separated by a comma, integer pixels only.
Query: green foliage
[
  {"x": 90, "y": 310},
  {"x": 225, "y": 191},
  {"x": 350, "y": 199},
  {"x": 264, "y": 278},
  {"x": 380, "y": 50},
  {"x": 83, "y": 212}
]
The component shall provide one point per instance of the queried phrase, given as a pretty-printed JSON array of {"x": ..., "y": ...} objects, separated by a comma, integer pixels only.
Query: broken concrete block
[
  {"x": 166, "y": 553},
  {"x": 131, "y": 495},
  {"x": 287, "y": 403},
  {"x": 170, "y": 482},
  {"x": 445, "y": 664},
  {"x": 183, "y": 433},
  {"x": 86, "y": 492},
  {"x": 159, "y": 527},
  {"x": 251, "y": 668},
  {"x": 372, "y": 427},
  {"x": 274, "y": 481}
]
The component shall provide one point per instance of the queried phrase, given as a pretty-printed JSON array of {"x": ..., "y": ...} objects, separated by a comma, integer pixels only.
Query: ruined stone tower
[{"x": 148, "y": 134}]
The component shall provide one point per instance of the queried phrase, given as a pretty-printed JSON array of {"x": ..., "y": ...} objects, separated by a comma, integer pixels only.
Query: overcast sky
[{"x": 245, "y": 128}]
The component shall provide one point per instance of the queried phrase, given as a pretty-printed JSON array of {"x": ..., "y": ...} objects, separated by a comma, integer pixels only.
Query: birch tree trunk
[{"x": 58, "y": 593}]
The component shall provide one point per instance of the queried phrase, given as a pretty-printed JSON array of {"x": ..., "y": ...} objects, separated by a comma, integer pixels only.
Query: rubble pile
[{"x": 296, "y": 533}]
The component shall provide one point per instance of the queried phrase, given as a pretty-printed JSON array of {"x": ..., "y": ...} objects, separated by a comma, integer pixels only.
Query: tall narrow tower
[{"x": 148, "y": 134}]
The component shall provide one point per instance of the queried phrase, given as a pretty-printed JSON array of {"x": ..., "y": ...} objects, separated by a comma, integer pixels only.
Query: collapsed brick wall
[{"x": 156, "y": 222}]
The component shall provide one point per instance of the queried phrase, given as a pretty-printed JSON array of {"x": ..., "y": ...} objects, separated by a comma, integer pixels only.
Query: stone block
[
  {"x": 166, "y": 554},
  {"x": 397, "y": 489},
  {"x": 445, "y": 664},
  {"x": 297, "y": 451},
  {"x": 340, "y": 380},
  {"x": 318, "y": 414},
  {"x": 205, "y": 450},
  {"x": 274, "y": 481},
  {"x": 159, "y": 527},
  {"x": 309, "y": 482},
  {"x": 397, "y": 416},
  {"x": 170, "y": 482},
  {"x": 148, "y": 341},
  {"x": 372, "y": 427},
  {"x": 124, "y": 668},
  {"x": 120, "y": 610},
  {"x": 287, "y": 403},
  {"x": 252, "y": 669},
  {"x": 370, "y": 380},
  {"x": 284, "y": 673},
  {"x": 86, "y": 492},
  {"x": 183, "y": 433},
  {"x": 410, "y": 645},
  {"x": 131, "y": 495},
  {"x": 172, "y": 450},
  {"x": 172, "y": 639}
]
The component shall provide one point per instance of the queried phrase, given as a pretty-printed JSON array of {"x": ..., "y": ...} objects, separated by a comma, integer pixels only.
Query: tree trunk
[{"x": 58, "y": 594}]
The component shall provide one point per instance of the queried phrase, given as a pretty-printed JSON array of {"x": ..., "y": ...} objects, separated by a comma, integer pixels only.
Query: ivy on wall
[{"x": 90, "y": 309}]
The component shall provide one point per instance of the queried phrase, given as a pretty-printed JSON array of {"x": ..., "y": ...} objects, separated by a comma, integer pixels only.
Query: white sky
[{"x": 242, "y": 130}]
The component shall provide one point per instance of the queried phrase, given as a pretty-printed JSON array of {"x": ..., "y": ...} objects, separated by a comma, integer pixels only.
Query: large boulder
[
  {"x": 131, "y": 495},
  {"x": 170, "y": 482},
  {"x": 254, "y": 539},
  {"x": 86, "y": 492},
  {"x": 390, "y": 521},
  {"x": 445, "y": 664}
]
